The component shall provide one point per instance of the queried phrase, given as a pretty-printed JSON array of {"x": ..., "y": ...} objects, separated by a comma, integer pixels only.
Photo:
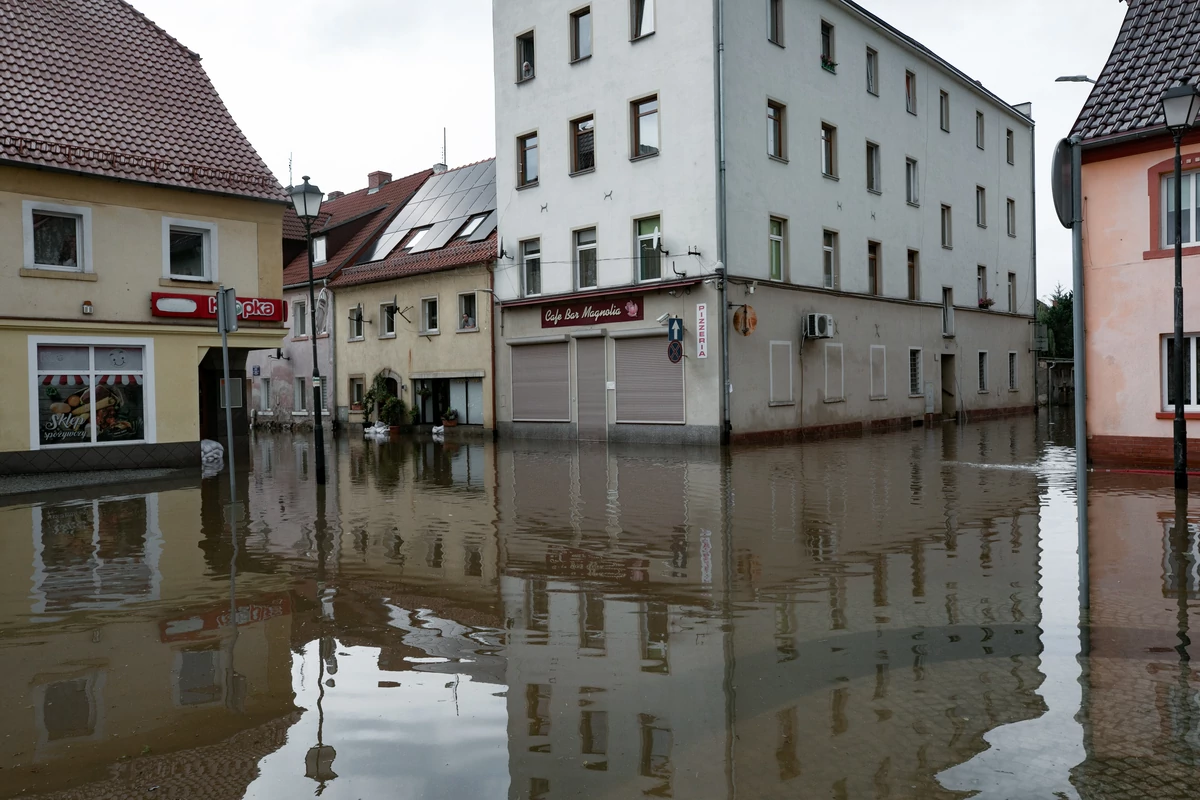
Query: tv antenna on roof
[
  {"x": 290, "y": 181},
  {"x": 444, "y": 161}
]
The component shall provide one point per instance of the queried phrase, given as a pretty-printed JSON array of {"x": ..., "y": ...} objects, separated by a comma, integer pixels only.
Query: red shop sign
[
  {"x": 182, "y": 629},
  {"x": 204, "y": 306},
  {"x": 593, "y": 313}
]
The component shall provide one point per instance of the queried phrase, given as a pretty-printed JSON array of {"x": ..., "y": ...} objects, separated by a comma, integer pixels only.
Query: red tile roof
[
  {"x": 380, "y": 207},
  {"x": 94, "y": 87},
  {"x": 1154, "y": 50},
  {"x": 458, "y": 253}
]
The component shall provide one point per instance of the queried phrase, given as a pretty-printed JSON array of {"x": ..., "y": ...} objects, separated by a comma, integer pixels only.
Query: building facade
[
  {"x": 741, "y": 170},
  {"x": 110, "y": 253},
  {"x": 1129, "y": 239}
]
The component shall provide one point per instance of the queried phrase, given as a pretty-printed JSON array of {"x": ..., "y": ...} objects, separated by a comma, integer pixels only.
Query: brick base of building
[
  {"x": 132, "y": 456},
  {"x": 815, "y": 433},
  {"x": 1139, "y": 452}
]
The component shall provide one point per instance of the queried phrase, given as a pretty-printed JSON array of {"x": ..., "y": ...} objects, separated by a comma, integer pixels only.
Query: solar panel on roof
[
  {"x": 486, "y": 228},
  {"x": 437, "y": 237}
]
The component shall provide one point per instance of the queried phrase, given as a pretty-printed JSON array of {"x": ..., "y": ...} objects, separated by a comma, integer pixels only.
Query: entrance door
[
  {"x": 949, "y": 388},
  {"x": 592, "y": 388}
]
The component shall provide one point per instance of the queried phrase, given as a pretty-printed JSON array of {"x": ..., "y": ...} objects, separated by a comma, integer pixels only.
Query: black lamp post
[
  {"x": 306, "y": 200},
  {"x": 1179, "y": 104}
]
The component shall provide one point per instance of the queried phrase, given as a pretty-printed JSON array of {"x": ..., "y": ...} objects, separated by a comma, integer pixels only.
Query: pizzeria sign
[
  {"x": 593, "y": 313},
  {"x": 204, "y": 306}
]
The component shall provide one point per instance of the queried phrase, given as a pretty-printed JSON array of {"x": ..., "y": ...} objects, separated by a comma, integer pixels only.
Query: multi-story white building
[{"x": 742, "y": 167}]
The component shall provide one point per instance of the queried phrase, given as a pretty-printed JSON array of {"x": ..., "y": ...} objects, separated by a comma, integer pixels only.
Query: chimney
[
  {"x": 377, "y": 179},
  {"x": 439, "y": 168},
  {"x": 334, "y": 195}
]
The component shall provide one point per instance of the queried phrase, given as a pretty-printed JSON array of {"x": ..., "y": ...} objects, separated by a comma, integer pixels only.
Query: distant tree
[{"x": 1058, "y": 317}]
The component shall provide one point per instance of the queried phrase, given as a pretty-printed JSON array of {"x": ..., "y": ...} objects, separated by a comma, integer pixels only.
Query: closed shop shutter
[
  {"x": 649, "y": 386},
  {"x": 541, "y": 383}
]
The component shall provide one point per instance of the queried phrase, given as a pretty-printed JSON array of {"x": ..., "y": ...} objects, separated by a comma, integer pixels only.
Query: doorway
[
  {"x": 593, "y": 392},
  {"x": 949, "y": 385}
]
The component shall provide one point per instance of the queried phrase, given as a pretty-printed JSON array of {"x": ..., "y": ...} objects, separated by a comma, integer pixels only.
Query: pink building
[{"x": 1128, "y": 246}]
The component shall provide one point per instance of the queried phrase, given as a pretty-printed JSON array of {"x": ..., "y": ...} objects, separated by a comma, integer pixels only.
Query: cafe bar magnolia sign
[{"x": 595, "y": 312}]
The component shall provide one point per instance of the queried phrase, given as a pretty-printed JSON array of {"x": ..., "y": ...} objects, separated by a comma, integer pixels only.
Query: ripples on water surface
[{"x": 892, "y": 616}]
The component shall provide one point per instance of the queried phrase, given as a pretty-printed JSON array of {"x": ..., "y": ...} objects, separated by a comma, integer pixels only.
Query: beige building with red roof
[{"x": 128, "y": 195}]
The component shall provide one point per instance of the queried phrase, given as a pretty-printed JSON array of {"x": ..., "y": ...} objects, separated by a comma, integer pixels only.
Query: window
[
  {"x": 57, "y": 237},
  {"x": 1189, "y": 227},
  {"x": 644, "y": 116},
  {"x": 874, "y": 277},
  {"x": 777, "y": 245},
  {"x": 874, "y": 183},
  {"x": 1189, "y": 373},
  {"x": 872, "y": 72},
  {"x": 829, "y": 260},
  {"x": 300, "y": 396},
  {"x": 264, "y": 394},
  {"x": 775, "y": 21},
  {"x": 1012, "y": 292},
  {"x": 581, "y": 34},
  {"x": 776, "y": 129},
  {"x": 189, "y": 250},
  {"x": 655, "y": 633},
  {"x": 1012, "y": 371},
  {"x": 357, "y": 391},
  {"x": 910, "y": 92},
  {"x": 235, "y": 393},
  {"x": 1011, "y": 215},
  {"x": 981, "y": 206},
  {"x": 947, "y": 311},
  {"x": 912, "y": 182},
  {"x": 655, "y": 759},
  {"x": 356, "y": 323},
  {"x": 780, "y": 374},
  {"x": 914, "y": 275},
  {"x": 471, "y": 226},
  {"x": 828, "y": 150},
  {"x": 537, "y": 708},
  {"x": 531, "y": 266},
  {"x": 649, "y": 256},
  {"x": 878, "y": 372},
  {"x": 591, "y": 622},
  {"x": 981, "y": 283},
  {"x": 944, "y": 110},
  {"x": 641, "y": 18},
  {"x": 947, "y": 227},
  {"x": 527, "y": 159},
  {"x": 319, "y": 250},
  {"x": 585, "y": 258},
  {"x": 415, "y": 238},
  {"x": 979, "y": 130},
  {"x": 526, "y": 60},
  {"x": 1010, "y": 146},
  {"x": 467, "y": 321},
  {"x": 827, "y": 54},
  {"x": 914, "y": 372},
  {"x": 91, "y": 394},
  {"x": 387, "y": 321},
  {"x": 983, "y": 371},
  {"x": 593, "y": 733},
  {"x": 429, "y": 315},
  {"x": 539, "y": 788},
  {"x": 300, "y": 319},
  {"x": 583, "y": 144}
]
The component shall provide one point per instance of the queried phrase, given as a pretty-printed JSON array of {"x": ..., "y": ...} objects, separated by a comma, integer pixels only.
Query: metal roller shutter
[
  {"x": 649, "y": 386},
  {"x": 541, "y": 383},
  {"x": 590, "y": 388}
]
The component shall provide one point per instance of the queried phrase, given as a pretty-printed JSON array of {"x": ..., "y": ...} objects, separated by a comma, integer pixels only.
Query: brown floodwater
[{"x": 885, "y": 617}]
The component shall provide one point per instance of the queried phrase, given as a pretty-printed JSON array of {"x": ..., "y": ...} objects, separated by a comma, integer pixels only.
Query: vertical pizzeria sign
[{"x": 701, "y": 330}]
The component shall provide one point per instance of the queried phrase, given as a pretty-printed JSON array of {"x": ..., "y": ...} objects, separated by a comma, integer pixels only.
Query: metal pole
[
  {"x": 1181, "y": 478},
  {"x": 722, "y": 228},
  {"x": 1077, "y": 309},
  {"x": 318, "y": 411}
]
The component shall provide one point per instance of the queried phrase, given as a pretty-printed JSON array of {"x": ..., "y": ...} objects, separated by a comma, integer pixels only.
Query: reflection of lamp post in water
[{"x": 318, "y": 762}]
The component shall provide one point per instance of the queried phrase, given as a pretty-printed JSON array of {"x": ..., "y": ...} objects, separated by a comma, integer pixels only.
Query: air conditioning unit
[{"x": 818, "y": 326}]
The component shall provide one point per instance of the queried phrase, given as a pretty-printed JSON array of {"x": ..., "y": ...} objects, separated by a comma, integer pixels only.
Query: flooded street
[{"x": 894, "y": 616}]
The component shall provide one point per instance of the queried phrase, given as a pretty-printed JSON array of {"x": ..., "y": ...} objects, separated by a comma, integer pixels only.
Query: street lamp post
[
  {"x": 1179, "y": 104},
  {"x": 306, "y": 200}
]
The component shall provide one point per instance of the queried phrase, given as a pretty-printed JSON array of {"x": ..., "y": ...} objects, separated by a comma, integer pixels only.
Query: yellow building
[{"x": 128, "y": 195}]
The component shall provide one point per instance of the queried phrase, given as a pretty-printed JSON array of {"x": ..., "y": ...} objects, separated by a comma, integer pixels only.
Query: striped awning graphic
[
  {"x": 64, "y": 380},
  {"x": 118, "y": 380}
]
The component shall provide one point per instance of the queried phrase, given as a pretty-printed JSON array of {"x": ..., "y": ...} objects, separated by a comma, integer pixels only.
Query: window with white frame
[
  {"x": 467, "y": 319},
  {"x": 1189, "y": 372},
  {"x": 356, "y": 323},
  {"x": 264, "y": 394},
  {"x": 319, "y": 250},
  {"x": 828, "y": 55},
  {"x": 581, "y": 34},
  {"x": 527, "y": 158},
  {"x": 947, "y": 227},
  {"x": 526, "y": 57},
  {"x": 878, "y": 372},
  {"x": 874, "y": 273},
  {"x": 1010, "y": 146},
  {"x": 915, "y": 379},
  {"x": 775, "y": 21},
  {"x": 776, "y": 130},
  {"x": 777, "y": 244},
  {"x": 429, "y": 315},
  {"x": 828, "y": 150},
  {"x": 641, "y": 18},
  {"x": 910, "y": 92},
  {"x": 829, "y": 258},
  {"x": 1011, "y": 215},
  {"x": 1189, "y": 183},
  {"x": 387, "y": 321},
  {"x": 981, "y": 284},
  {"x": 944, "y": 110},
  {"x": 1012, "y": 292},
  {"x": 780, "y": 356},
  {"x": 947, "y": 311},
  {"x": 648, "y": 254},
  {"x": 357, "y": 391},
  {"x": 91, "y": 393},
  {"x": 585, "y": 258},
  {"x": 1012, "y": 371},
  {"x": 874, "y": 180},
  {"x": 914, "y": 275},
  {"x": 57, "y": 237},
  {"x": 189, "y": 250},
  {"x": 981, "y": 206},
  {"x": 872, "y": 72},
  {"x": 531, "y": 266},
  {"x": 980, "y": 136},
  {"x": 983, "y": 371},
  {"x": 300, "y": 396},
  {"x": 912, "y": 182},
  {"x": 643, "y": 122},
  {"x": 300, "y": 318}
]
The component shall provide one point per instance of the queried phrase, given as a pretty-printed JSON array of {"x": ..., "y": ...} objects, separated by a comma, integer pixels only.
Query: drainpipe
[
  {"x": 492, "y": 333},
  {"x": 1033, "y": 240},
  {"x": 722, "y": 224}
]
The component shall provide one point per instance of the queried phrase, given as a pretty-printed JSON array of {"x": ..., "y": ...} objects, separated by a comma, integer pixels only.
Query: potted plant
[
  {"x": 374, "y": 397},
  {"x": 414, "y": 415},
  {"x": 986, "y": 302},
  {"x": 393, "y": 413},
  {"x": 828, "y": 63},
  {"x": 450, "y": 418}
]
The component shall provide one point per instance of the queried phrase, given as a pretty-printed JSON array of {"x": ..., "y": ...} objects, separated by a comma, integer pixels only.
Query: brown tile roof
[
  {"x": 379, "y": 207},
  {"x": 94, "y": 87},
  {"x": 1159, "y": 44},
  {"x": 458, "y": 253}
]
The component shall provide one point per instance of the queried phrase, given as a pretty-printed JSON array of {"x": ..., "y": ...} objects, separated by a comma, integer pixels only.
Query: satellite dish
[{"x": 657, "y": 237}]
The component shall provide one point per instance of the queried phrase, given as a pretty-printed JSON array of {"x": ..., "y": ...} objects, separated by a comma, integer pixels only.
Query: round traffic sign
[{"x": 675, "y": 352}]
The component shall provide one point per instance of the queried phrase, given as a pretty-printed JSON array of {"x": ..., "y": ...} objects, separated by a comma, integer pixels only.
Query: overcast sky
[{"x": 351, "y": 86}]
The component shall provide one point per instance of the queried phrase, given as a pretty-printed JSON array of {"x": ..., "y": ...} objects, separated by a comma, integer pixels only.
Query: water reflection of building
[{"x": 117, "y": 644}]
